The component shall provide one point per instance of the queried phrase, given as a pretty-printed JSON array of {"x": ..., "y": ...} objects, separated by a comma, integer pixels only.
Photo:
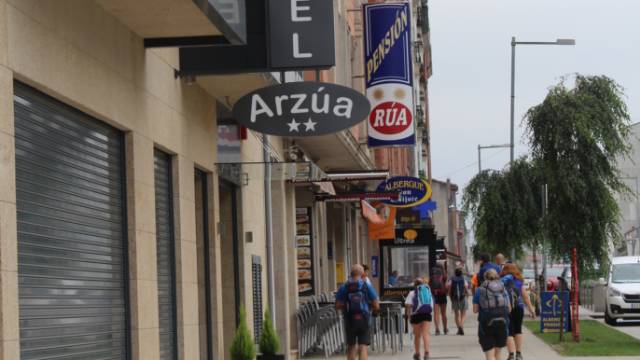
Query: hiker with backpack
[
  {"x": 486, "y": 264},
  {"x": 357, "y": 300},
  {"x": 491, "y": 303},
  {"x": 419, "y": 303},
  {"x": 518, "y": 296},
  {"x": 458, "y": 292},
  {"x": 438, "y": 285}
]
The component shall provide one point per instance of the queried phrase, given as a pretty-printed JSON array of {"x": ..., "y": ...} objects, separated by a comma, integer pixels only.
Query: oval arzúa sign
[
  {"x": 413, "y": 191},
  {"x": 301, "y": 109}
]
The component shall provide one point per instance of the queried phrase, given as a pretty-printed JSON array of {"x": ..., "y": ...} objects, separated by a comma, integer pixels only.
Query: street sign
[
  {"x": 552, "y": 303},
  {"x": 389, "y": 74},
  {"x": 413, "y": 191},
  {"x": 301, "y": 109},
  {"x": 301, "y": 34}
]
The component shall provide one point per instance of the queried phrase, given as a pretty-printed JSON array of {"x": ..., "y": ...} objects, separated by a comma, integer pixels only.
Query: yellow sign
[
  {"x": 340, "y": 273},
  {"x": 410, "y": 234}
]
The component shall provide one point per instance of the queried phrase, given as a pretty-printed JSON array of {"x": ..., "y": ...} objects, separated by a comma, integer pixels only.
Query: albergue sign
[
  {"x": 301, "y": 109},
  {"x": 388, "y": 74},
  {"x": 413, "y": 191}
]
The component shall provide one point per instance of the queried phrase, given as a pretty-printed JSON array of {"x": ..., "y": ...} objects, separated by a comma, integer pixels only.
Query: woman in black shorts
[{"x": 419, "y": 303}]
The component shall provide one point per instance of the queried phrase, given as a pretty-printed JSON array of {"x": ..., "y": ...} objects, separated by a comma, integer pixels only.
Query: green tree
[
  {"x": 243, "y": 347},
  {"x": 576, "y": 134},
  {"x": 269, "y": 342},
  {"x": 505, "y": 206}
]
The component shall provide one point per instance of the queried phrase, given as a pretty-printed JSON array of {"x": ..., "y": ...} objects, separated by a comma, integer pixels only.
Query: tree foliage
[
  {"x": 577, "y": 134},
  {"x": 506, "y": 207},
  {"x": 243, "y": 347},
  {"x": 269, "y": 342}
]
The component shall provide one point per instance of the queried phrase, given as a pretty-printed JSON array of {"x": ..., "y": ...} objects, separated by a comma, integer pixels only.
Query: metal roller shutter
[
  {"x": 71, "y": 232},
  {"x": 166, "y": 256}
]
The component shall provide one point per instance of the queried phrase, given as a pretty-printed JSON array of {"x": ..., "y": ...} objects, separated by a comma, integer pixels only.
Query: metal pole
[
  {"x": 269, "y": 228},
  {"x": 545, "y": 198},
  {"x": 479, "y": 160},
  {"x": 513, "y": 96}
]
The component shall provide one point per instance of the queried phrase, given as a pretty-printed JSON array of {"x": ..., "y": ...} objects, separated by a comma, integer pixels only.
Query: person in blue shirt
[
  {"x": 393, "y": 278},
  {"x": 486, "y": 264},
  {"x": 357, "y": 299},
  {"x": 513, "y": 282},
  {"x": 491, "y": 303}
]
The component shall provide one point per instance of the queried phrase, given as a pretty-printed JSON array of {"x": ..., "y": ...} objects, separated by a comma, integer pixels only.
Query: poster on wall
[
  {"x": 388, "y": 74},
  {"x": 304, "y": 251}
]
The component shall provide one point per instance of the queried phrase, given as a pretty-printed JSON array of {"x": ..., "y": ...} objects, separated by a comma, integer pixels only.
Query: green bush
[
  {"x": 269, "y": 342},
  {"x": 243, "y": 347}
]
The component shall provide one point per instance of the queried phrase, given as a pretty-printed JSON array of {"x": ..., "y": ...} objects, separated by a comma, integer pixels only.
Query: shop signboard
[
  {"x": 301, "y": 109},
  {"x": 301, "y": 34},
  {"x": 385, "y": 230},
  {"x": 388, "y": 74},
  {"x": 304, "y": 251},
  {"x": 553, "y": 303},
  {"x": 413, "y": 191},
  {"x": 409, "y": 255}
]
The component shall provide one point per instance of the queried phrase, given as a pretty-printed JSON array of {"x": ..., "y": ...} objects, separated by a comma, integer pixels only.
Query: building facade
[
  {"x": 137, "y": 218},
  {"x": 629, "y": 225}
]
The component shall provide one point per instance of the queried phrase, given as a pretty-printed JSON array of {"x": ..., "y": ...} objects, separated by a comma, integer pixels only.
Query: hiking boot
[
  {"x": 437, "y": 332},
  {"x": 416, "y": 356},
  {"x": 518, "y": 356}
]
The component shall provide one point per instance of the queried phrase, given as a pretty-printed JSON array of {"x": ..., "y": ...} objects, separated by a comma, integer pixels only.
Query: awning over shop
[
  {"x": 346, "y": 176},
  {"x": 355, "y": 197}
]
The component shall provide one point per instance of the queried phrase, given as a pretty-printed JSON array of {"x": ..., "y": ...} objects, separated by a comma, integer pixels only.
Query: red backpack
[{"x": 437, "y": 282}]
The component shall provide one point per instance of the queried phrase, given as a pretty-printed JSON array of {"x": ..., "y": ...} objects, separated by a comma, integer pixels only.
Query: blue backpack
[
  {"x": 422, "y": 300},
  {"x": 458, "y": 288},
  {"x": 357, "y": 303}
]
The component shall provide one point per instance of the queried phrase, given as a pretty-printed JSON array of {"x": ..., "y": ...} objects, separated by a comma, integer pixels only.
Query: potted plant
[
  {"x": 269, "y": 343},
  {"x": 243, "y": 347}
]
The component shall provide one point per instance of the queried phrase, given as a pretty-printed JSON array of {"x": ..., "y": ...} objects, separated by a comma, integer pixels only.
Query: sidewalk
[{"x": 467, "y": 348}]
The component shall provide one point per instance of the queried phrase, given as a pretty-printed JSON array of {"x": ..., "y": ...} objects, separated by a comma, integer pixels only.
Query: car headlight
[{"x": 614, "y": 292}]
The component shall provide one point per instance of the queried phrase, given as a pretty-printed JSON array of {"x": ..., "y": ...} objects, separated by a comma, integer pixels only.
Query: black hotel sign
[
  {"x": 281, "y": 35},
  {"x": 301, "y": 34}
]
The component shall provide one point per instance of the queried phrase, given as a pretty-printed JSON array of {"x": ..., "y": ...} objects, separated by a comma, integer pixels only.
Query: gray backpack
[{"x": 494, "y": 304}]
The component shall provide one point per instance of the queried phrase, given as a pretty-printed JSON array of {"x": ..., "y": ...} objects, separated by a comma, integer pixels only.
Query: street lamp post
[
  {"x": 513, "y": 78},
  {"x": 480, "y": 148}
]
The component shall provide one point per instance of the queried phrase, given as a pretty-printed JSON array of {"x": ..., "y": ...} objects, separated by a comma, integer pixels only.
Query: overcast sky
[{"x": 469, "y": 89}]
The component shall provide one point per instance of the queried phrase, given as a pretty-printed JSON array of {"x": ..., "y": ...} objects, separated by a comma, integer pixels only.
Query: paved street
[{"x": 467, "y": 348}]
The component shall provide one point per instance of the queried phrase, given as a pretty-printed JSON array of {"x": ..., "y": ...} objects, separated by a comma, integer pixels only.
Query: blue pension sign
[
  {"x": 413, "y": 191},
  {"x": 388, "y": 74},
  {"x": 551, "y": 309}
]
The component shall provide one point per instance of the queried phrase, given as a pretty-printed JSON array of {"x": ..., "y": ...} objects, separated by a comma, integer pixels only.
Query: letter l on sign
[
  {"x": 295, "y": 17},
  {"x": 301, "y": 34}
]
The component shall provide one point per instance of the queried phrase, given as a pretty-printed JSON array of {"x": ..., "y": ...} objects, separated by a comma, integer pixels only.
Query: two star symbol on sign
[{"x": 309, "y": 125}]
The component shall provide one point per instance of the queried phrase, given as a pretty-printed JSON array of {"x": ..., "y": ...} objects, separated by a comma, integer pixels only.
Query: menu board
[{"x": 304, "y": 251}]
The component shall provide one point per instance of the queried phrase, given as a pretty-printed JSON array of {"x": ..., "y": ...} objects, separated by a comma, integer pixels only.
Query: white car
[{"x": 623, "y": 290}]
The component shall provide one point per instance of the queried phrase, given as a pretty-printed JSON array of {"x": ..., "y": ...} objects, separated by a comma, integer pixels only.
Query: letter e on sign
[{"x": 301, "y": 34}]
